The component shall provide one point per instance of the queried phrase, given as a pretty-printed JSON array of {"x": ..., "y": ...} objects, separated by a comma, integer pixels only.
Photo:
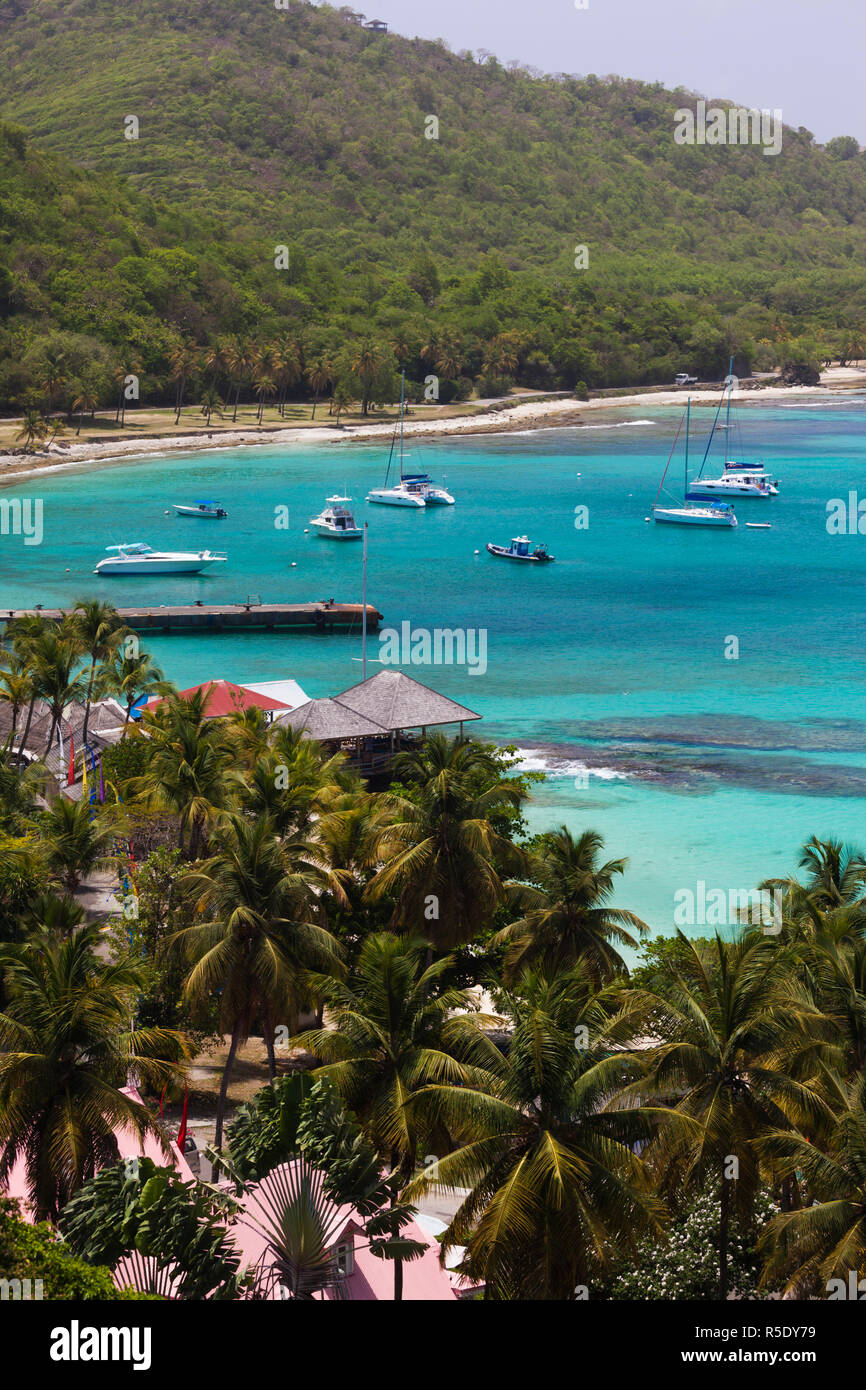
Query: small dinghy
[{"x": 519, "y": 549}]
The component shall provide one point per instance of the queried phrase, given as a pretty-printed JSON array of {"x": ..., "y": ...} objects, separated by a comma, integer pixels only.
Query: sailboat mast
[
  {"x": 688, "y": 418},
  {"x": 728, "y": 411},
  {"x": 402, "y": 408}
]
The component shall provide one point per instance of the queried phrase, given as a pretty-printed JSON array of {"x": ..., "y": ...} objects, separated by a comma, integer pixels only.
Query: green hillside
[{"x": 261, "y": 127}]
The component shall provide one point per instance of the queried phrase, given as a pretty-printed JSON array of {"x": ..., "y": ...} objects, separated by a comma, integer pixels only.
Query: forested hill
[{"x": 259, "y": 127}]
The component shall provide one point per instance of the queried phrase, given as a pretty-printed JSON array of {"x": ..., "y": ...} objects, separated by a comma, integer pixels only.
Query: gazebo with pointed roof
[
  {"x": 395, "y": 701},
  {"x": 328, "y": 721}
]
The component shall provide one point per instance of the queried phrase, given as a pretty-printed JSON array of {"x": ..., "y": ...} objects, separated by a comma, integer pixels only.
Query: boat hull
[
  {"x": 334, "y": 533},
  {"x": 727, "y": 489},
  {"x": 685, "y": 516},
  {"x": 396, "y": 499},
  {"x": 195, "y": 564},
  {"x": 200, "y": 515},
  {"x": 502, "y": 552}
]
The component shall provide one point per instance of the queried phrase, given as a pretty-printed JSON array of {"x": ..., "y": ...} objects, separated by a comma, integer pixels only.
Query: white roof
[{"x": 287, "y": 691}]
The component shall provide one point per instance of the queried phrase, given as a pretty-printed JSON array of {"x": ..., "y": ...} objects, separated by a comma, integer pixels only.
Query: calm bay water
[{"x": 608, "y": 667}]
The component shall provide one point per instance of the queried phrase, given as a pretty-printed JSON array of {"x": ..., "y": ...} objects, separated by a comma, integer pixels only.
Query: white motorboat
[
  {"x": 337, "y": 521},
  {"x": 519, "y": 549},
  {"x": 209, "y": 511},
  {"x": 414, "y": 489},
  {"x": 722, "y": 514},
  {"x": 137, "y": 558}
]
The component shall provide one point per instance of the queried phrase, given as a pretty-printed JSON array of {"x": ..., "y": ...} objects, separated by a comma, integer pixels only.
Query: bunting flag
[
  {"x": 101, "y": 783},
  {"x": 181, "y": 1134},
  {"x": 84, "y": 777},
  {"x": 93, "y": 789},
  {"x": 70, "y": 778}
]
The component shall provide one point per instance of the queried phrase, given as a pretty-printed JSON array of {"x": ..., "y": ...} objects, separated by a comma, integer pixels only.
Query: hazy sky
[{"x": 805, "y": 56}]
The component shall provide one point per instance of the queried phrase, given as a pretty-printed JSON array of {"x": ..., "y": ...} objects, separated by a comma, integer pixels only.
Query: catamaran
[
  {"x": 135, "y": 557},
  {"x": 337, "y": 521},
  {"x": 210, "y": 511},
  {"x": 414, "y": 489},
  {"x": 738, "y": 479},
  {"x": 722, "y": 514}
]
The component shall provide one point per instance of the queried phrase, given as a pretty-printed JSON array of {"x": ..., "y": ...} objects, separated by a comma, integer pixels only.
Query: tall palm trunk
[
  {"x": 224, "y": 1086},
  {"x": 23, "y": 744},
  {"x": 87, "y": 702}
]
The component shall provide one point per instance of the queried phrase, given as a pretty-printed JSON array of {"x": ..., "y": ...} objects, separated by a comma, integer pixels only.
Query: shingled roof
[
  {"x": 396, "y": 701},
  {"x": 329, "y": 720}
]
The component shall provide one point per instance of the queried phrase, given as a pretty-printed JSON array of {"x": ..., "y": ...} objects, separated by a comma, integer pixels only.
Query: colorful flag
[
  {"x": 181, "y": 1134},
  {"x": 101, "y": 783},
  {"x": 84, "y": 776},
  {"x": 71, "y": 775}
]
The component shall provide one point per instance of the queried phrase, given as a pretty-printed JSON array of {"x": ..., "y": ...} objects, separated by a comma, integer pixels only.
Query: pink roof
[
  {"x": 424, "y": 1280},
  {"x": 225, "y": 698},
  {"x": 129, "y": 1146}
]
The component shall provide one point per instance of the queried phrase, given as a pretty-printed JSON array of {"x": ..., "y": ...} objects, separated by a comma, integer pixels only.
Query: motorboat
[
  {"x": 210, "y": 511},
  {"x": 337, "y": 521},
  {"x": 137, "y": 558},
  {"x": 413, "y": 489},
  {"x": 519, "y": 549}
]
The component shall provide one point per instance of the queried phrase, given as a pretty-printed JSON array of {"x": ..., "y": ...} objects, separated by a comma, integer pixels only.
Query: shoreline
[{"x": 499, "y": 418}]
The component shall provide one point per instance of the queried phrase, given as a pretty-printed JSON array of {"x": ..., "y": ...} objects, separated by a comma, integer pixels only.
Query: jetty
[{"x": 324, "y": 616}]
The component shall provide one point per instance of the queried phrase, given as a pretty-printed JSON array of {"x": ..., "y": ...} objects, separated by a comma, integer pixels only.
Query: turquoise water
[{"x": 608, "y": 667}]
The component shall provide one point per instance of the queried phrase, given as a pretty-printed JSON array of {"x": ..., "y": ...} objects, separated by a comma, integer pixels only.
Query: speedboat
[
  {"x": 519, "y": 550},
  {"x": 138, "y": 558},
  {"x": 211, "y": 510},
  {"x": 336, "y": 520}
]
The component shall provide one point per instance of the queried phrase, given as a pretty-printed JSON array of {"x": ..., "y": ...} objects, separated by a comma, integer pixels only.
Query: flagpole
[{"x": 364, "y": 616}]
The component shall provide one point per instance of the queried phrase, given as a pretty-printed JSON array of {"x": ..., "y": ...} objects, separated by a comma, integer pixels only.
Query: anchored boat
[
  {"x": 138, "y": 558},
  {"x": 519, "y": 549},
  {"x": 210, "y": 511},
  {"x": 414, "y": 489},
  {"x": 336, "y": 521},
  {"x": 721, "y": 514}
]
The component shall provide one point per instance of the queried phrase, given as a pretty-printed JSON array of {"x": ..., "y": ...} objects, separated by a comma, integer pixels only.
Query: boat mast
[
  {"x": 402, "y": 404},
  {"x": 728, "y": 411},
  {"x": 364, "y": 614},
  {"x": 688, "y": 418}
]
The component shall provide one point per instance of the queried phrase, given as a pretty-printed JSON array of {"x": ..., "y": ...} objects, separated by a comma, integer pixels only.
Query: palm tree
[
  {"x": 265, "y": 388},
  {"x": 392, "y": 1030},
  {"x": 25, "y": 634},
  {"x": 188, "y": 769},
  {"x": 67, "y": 1046},
  {"x": 289, "y": 362},
  {"x": 99, "y": 629},
  {"x": 34, "y": 429},
  {"x": 84, "y": 403},
  {"x": 239, "y": 364},
  {"x": 555, "y": 1191},
  {"x": 826, "y": 1239},
  {"x": 210, "y": 404},
  {"x": 727, "y": 1025},
  {"x": 16, "y": 688},
  {"x": 52, "y": 374},
  {"x": 130, "y": 678},
  {"x": 256, "y": 945},
  {"x": 183, "y": 359},
  {"x": 341, "y": 399},
  {"x": 55, "y": 657},
  {"x": 300, "y": 1224},
  {"x": 439, "y": 856},
  {"x": 320, "y": 374},
  {"x": 128, "y": 365},
  {"x": 367, "y": 361},
  {"x": 71, "y": 843},
  {"x": 565, "y": 913}
]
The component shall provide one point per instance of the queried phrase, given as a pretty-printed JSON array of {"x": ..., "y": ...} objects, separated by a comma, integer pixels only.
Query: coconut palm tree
[
  {"x": 34, "y": 429},
  {"x": 188, "y": 771},
  {"x": 439, "y": 856},
  {"x": 320, "y": 374},
  {"x": 210, "y": 404},
  {"x": 16, "y": 688},
  {"x": 72, "y": 842},
  {"x": 257, "y": 942},
  {"x": 341, "y": 399},
  {"x": 128, "y": 365},
  {"x": 826, "y": 1239},
  {"x": 565, "y": 916},
  {"x": 55, "y": 658},
  {"x": 183, "y": 359},
  {"x": 393, "y": 1029},
  {"x": 725, "y": 1029},
  {"x": 84, "y": 403},
  {"x": 555, "y": 1191},
  {"x": 289, "y": 363},
  {"x": 67, "y": 1047},
  {"x": 367, "y": 360},
  {"x": 130, "y": 678},
  {"x": 98, "y": 628},
  {"x": 240, "y": 362},
  {"x": 25, "y": 633},
  {"x": 265, "y": 387}
]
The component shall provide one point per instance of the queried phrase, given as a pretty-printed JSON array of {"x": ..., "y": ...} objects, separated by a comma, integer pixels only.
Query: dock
[{"x": 324, "y": 616}]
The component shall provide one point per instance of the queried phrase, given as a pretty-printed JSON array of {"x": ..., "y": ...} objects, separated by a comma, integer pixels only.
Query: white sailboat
[
  {"x": 414, "y": 489},
  {"x": 134, "y": 557},
  {"x": 336, "y": 521},
  {"x": 722, "y": 514},
  {"x": 737, "y": 479}
]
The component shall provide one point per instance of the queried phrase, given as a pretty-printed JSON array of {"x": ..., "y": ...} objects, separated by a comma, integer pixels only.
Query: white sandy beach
[{"x": 497, "y": 419}]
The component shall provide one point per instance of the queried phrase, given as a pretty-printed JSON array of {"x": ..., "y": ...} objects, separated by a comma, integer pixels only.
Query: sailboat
[
  {"x": 414, "y": 489},
  {"x": 737, "y": 480},
  {"x": 722, "y": 514}
]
